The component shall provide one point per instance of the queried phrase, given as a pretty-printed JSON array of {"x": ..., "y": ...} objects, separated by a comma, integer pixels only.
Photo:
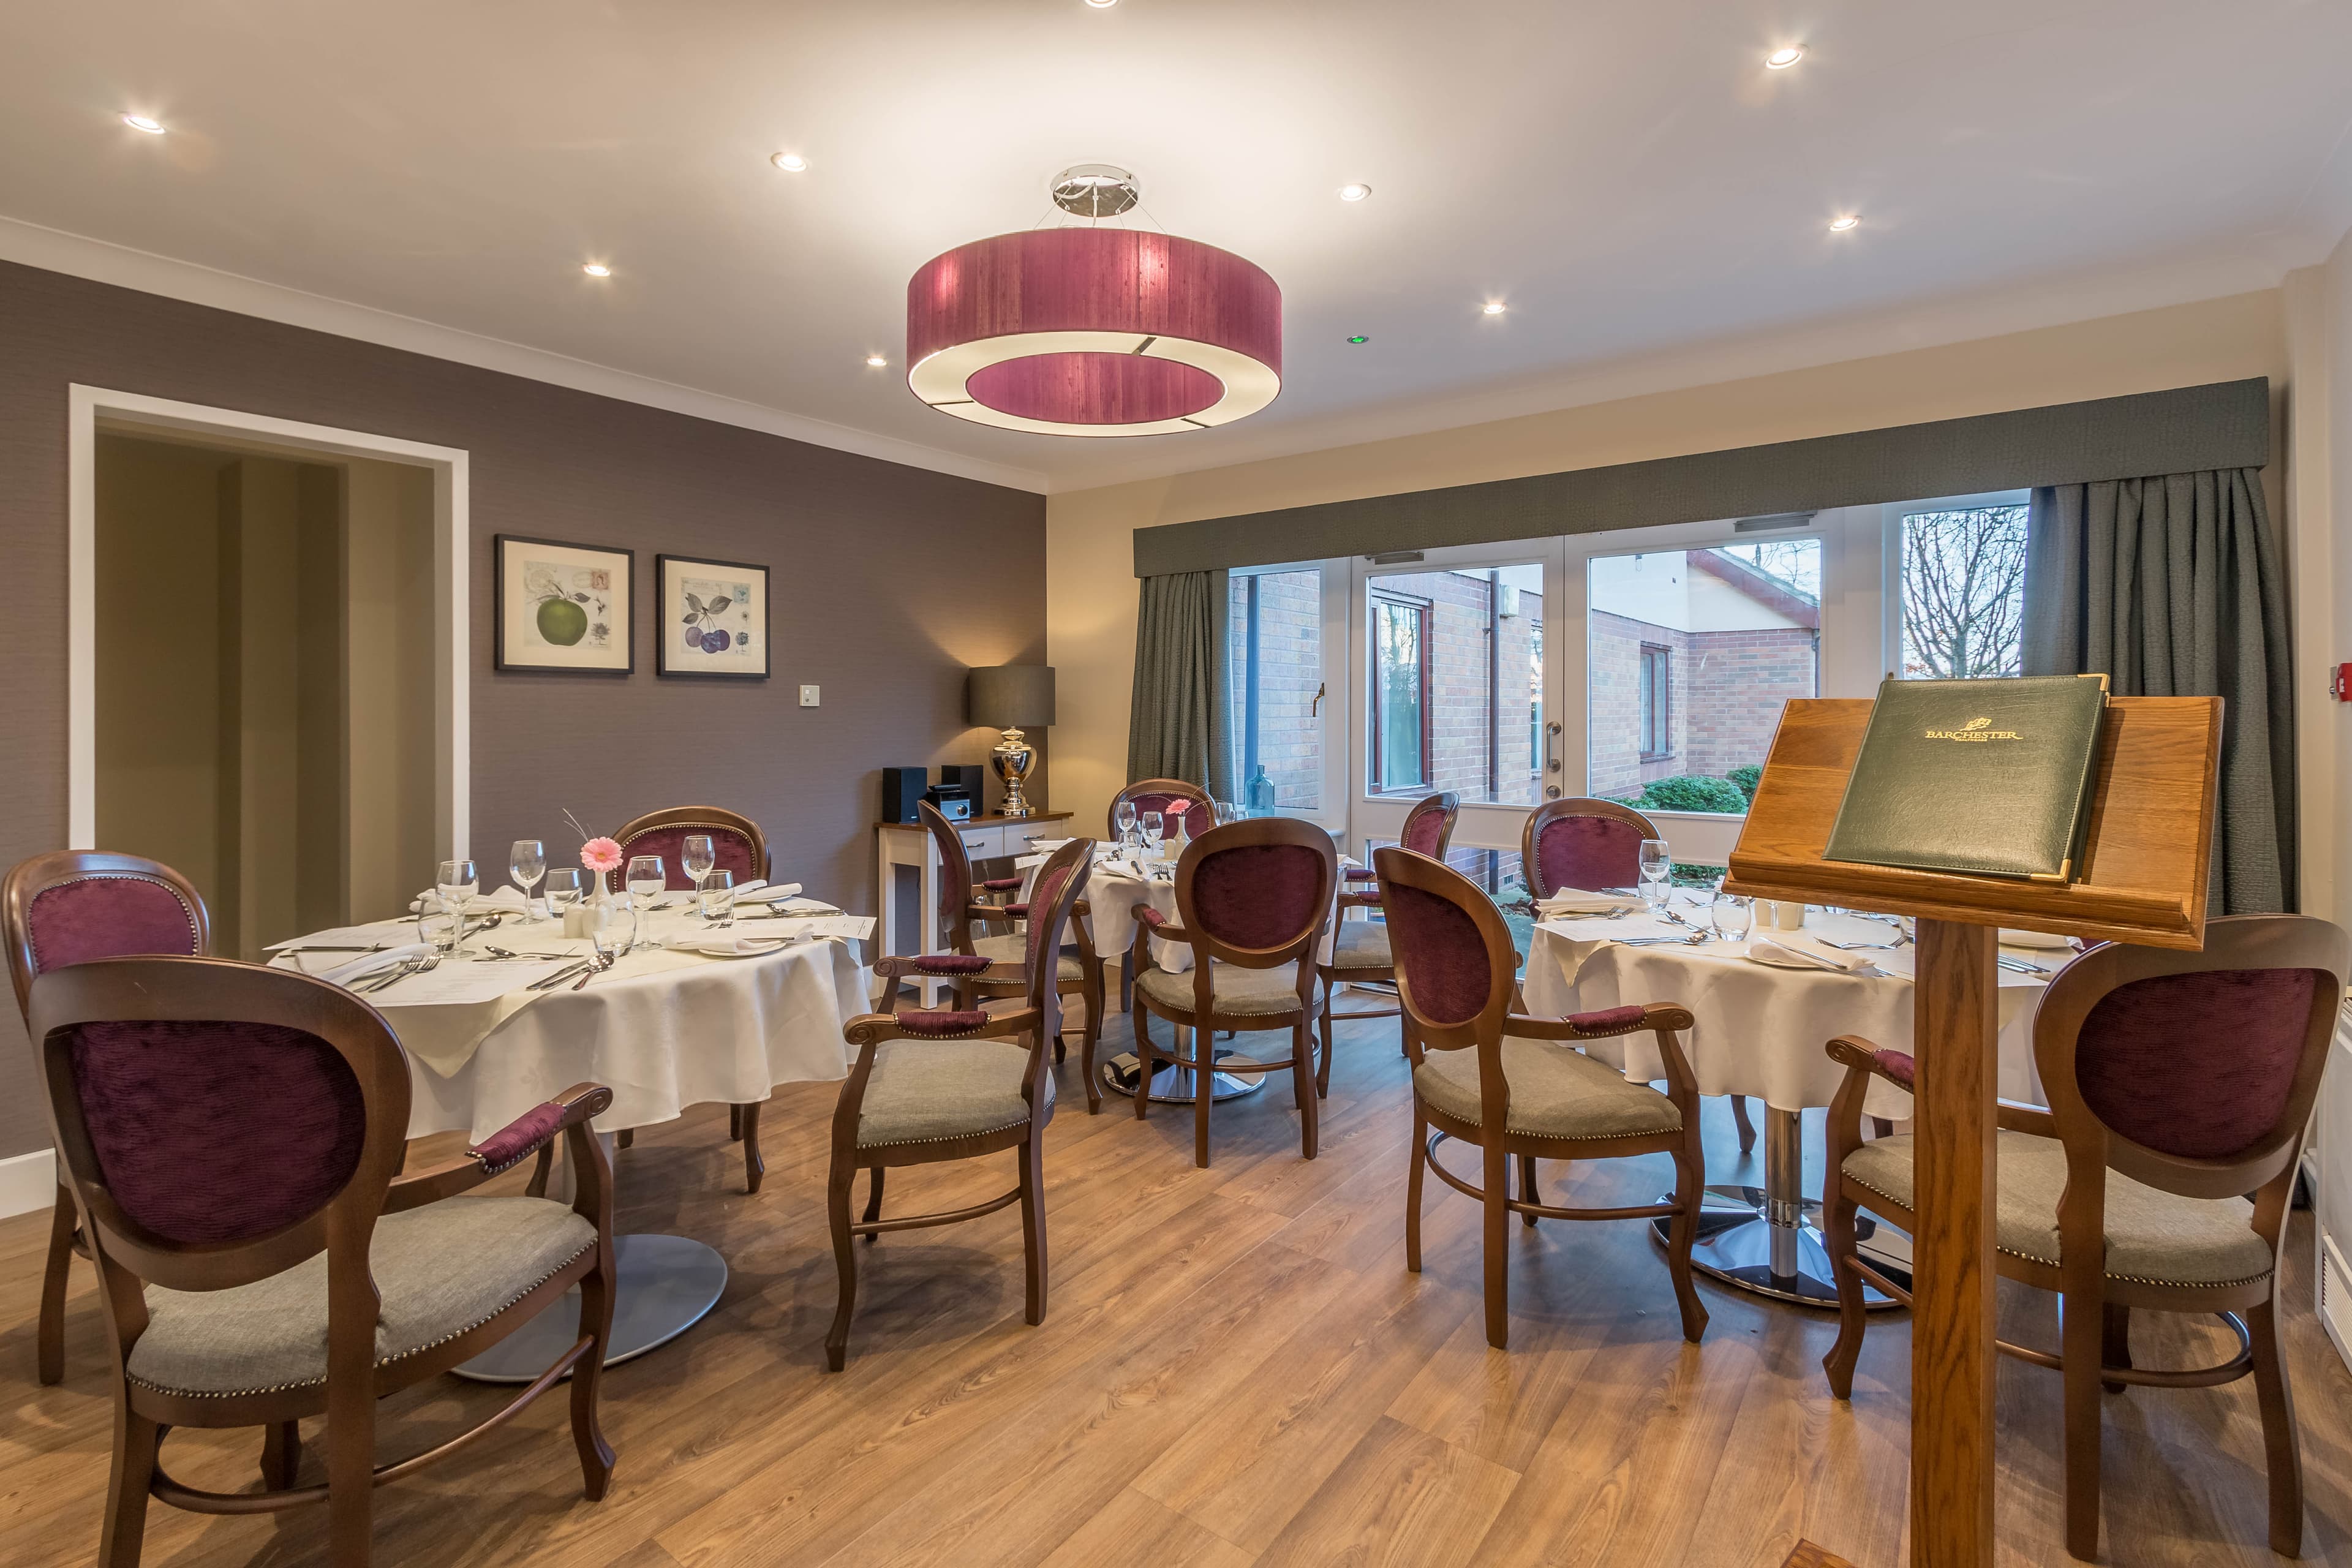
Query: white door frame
[{"x": 93, "y": 409}]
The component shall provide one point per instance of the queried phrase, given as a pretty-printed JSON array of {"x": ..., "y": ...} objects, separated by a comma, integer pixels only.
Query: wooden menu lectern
[{"x": 2143, "y": 880}]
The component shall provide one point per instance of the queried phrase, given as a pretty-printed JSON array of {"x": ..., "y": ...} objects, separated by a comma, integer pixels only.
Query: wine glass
[
  {"x": 1734, "y": 916},
  {"x": 457, "y": 881},
  {"x": 563, "y": 889},
  {"x": 1154, "y": 827},
  {"x": 1122, "y": 817},
  {"x": 614, "y": 935},
  {"x": 440, "y": 926},
  {"x": 716, "y": 897},
  {"x": 1657, "y": 865},
  {"x": 698, "y": 856},
  {"x": 527, "y": 863},
  {"x": 646, "y": 880}
]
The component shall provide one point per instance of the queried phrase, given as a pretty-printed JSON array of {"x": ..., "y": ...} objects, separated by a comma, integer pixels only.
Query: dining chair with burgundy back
[
  {"x": 736, "y": 845},
  {"x": 1360, "y": 949},
  {"x": 1252, "y": 900},
  {"x": 955, "y": 1084},
  {"x": 1517, "y": 1086},
  {"x": 1596, "y": 845},
  {"x": 68, "y": 906},
  {"x": 2158, "y": 1179},
  {"x": 233, "y": 1135}
]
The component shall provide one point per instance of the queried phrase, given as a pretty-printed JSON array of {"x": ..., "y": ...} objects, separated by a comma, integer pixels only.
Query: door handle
[
  {"x": 1551, "y": 758},
  {"x": 1314, "y": 708}
]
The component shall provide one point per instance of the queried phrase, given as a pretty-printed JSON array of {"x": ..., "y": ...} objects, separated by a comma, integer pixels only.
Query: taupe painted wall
[{"x": 889, "y": 583}]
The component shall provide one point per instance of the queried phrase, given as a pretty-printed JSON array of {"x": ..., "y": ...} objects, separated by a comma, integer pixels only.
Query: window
[
  {"x": 1400, "y": 698},
  {"x": 1689, "y": 655},
  {"x": 1279, "y": 695},
  {"x": 1963, "y": 591},
  {"x": 1657, "y": 698}
]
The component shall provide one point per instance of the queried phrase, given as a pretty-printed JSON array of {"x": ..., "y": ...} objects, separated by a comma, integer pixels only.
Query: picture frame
[
  {"x": 565, "y": 606},
  {"x": 712, "y": 618}
]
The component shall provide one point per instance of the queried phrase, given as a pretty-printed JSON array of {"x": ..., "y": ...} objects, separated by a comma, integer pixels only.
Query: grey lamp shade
[{"x": 1011, "y": 696}]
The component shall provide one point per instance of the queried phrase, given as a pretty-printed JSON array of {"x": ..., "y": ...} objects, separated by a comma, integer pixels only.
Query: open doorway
[{"x": 267, "y": 660}]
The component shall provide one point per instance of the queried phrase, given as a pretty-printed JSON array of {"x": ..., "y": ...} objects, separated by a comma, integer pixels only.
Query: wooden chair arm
[
  {"x": 996, "y": 914},
  {"x": 936, "y": 966},
  {"x": 874, "y": 1029},
  {"x": 502, "y": 1149},
  {"x": 1842, "y": 1128},
  {"x": 2016, "y": 1116},
  {"x": 1148, "y": 918},
  {"x": 1858, "y": 1055},
  {"x": 1628, "y": 1020}
]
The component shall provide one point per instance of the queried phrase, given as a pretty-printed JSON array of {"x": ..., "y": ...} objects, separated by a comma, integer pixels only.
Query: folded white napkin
[
  {"x": 369, "y": 964},
  {"x": 1765, "y": 949},
  {"x": 724, "y": 944},
  {"x": 508, "y": 900},
  {"x": 763, "y": 892},
  {"x": 1576, "y": 901},
  {"x": 1048, "y": 845},
  {"x": 2031, "y": 939}
]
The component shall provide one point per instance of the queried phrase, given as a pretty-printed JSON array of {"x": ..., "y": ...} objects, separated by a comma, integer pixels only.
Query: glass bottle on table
[
  {"x": 1657, "y": 865},
  {"x": 527, "y": 863},
  {"x": 698, "y": 855}
]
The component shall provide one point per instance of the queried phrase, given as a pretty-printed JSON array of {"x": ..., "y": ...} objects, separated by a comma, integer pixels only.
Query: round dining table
[
  {"x": 1760, "y": 1029},
  {"x": 665, "y": 1028}
]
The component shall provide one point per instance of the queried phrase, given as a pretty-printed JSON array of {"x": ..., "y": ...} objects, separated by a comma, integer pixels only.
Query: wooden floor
[{"x": 1236, "y": 1369}]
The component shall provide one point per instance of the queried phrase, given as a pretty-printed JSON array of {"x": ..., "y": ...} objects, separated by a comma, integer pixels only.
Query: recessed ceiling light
[
  {"x": 1784, "y": 57},
  {"x": 141, "y": 122},
  {"x": 1360, "y": 338},
  {"x": 596, "y": 269},
  {"x": 1355, "y": 192},
  {"x": 789, "y": 163},
  {"x": 876, "y": 361},
  {"x": 1493, "y": 308},
  {"x": 1102, "y": 5},
  {"x": 1840, "y": 224}
]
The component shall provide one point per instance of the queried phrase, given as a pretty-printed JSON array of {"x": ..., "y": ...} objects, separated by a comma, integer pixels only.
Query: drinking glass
[
  {"x": 440, "y": 926},
  {"x": 563, "y": 889},
  {"x": 1734, "y": 917},
  {"x": 527, "y": 863},
  {"x": 717, "y": 898},
  {"x": 1656, "y": 866},
  {"x": 1154, "y": 827},
  {"x": 1123, "y": 818},
  {"x": 646, "y": 880},
  {"x": 697, "y": 857},
  {"x": 616, "y": 934}
]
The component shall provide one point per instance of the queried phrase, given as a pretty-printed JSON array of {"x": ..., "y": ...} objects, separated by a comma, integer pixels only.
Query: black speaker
[
  {"x": 902, "y": 789},
  {"x": 971, "y": 778}
]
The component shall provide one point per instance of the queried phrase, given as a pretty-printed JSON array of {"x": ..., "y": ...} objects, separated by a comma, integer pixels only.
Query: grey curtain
[
  {"x": 2172, "y": 588},
  {"x": 1180, "y": 724}
]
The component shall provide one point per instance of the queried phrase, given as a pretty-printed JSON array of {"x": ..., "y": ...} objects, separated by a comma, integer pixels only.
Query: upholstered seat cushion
[
  {"x": 2153, "y": 1237},
  {"x": 1557, "y": 1091},
  {"x": 924, "y": 1091},
  {"x": 1243, "y": 992},
  {"x": 1362, "y": 945},
  {"x": 440, "y": 1269},
  {"x": 1014, "y": 950}
]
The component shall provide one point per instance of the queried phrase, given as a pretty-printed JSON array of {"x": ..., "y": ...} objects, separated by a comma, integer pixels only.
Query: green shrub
[
  {"x": 1694, "y": 792},
  {"x": 1747, "y": 778}
]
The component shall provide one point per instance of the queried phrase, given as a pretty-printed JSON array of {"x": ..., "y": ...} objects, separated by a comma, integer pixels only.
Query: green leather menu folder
[{"x": 1988, "y": 778}]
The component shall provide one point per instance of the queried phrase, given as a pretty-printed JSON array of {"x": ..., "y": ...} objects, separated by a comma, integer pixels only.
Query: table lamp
[{"x": 1012, "y": 698}]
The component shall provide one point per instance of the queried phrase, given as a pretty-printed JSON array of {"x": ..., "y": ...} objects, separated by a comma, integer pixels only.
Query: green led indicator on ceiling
[{"x": 1359, "y": 340}]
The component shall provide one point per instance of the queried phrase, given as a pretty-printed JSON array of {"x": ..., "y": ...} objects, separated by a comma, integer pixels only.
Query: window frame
[
  {"x": 1375, "y": 751},
  {"x": 1654, "y": 702},
  {"x": 1330, "y": 708},
  {"x": 1890, "y": 555}
]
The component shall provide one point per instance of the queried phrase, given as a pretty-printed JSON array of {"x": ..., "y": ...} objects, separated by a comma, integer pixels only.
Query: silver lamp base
[{"x": 1012, "y": 759}]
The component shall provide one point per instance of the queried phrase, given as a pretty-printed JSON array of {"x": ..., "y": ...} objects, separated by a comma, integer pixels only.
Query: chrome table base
[{"x": 663, "y": 1285}]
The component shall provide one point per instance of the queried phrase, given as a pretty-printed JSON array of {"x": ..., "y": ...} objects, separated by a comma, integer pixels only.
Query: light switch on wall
[{"x": 808, "y": 695}]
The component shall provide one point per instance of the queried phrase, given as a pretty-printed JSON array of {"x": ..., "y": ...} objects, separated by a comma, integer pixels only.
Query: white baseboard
[{"x": 28, "y": 1182}]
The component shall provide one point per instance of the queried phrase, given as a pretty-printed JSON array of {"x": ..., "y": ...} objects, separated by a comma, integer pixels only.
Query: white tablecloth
[
  {"x": 1112, "y": 892},
  {"x": 1760, "y": 1031},
  {"x": 664, "y": 1030}
]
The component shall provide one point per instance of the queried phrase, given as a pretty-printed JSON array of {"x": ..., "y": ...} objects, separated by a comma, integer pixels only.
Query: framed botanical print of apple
[
  {"x": 713, "y": 618},
  {"x": 565, "y": 606}
]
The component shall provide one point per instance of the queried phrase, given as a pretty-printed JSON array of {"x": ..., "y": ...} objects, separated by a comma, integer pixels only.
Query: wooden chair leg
[
  {"x": 1033, "y": 1222},
  {"x": 873, "y": 1201},
  {"x": 135, "y": 1441},
  {"x": 2081, "y": 1332},
  {"x": 1092, "y": 1037},
  {"x": 1323, "y": 1068},
  {"x": 1682, "y": 1232},
  {"x": 627, "y": 1138},
  {"x": 1302, "y": 1068},
  {"x": 1838, "y": 1239},
  {"x": 734, "y": 1125},
  {"x": 1205, "y": 1090},
  {"x": 51, "y": 1335},
  {"x": 2114, "y": 1341},
  {"x": 537, "y": 1185},
  {"x": 1144, "y": 1065},
  {"x": 1747, "y": 1128},
  {"x": 588, "y": 1378},
  {"x": 1496, "y": 1244},
  {"x": 2284, "y": 1454},
  {"x": 350, "y": 1470},
  {"x": 755, "y": 1164},
  {"x": 1420, "y": 1155},
  {"x": 281, "y": 1454},
  {"x": 1528, "y": 1185},
  {"x": 845, "y": 1262}
]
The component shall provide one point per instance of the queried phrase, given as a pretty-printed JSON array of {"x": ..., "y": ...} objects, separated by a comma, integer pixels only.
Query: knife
[{"x": 556, "y": 978}]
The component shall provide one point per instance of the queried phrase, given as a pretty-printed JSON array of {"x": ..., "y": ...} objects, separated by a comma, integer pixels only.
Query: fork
[
  {"x": 406, "y": 967},
  {"x": 1861, "y": 946},
  {"x": 596, "y": 966}
]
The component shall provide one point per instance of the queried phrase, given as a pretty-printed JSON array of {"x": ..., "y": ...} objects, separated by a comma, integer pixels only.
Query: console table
[{"x": 901, "y": 844}]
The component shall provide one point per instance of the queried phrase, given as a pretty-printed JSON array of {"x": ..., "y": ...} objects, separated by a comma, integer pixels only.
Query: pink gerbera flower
[{"x": 601, "y": 855}]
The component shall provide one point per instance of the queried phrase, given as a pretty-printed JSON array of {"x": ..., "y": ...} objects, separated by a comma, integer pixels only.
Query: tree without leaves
[{"x": 1964, "y": 593}]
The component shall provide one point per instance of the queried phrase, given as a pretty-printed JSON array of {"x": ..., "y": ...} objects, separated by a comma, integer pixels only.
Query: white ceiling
[{"x": 1627, "y": 176}]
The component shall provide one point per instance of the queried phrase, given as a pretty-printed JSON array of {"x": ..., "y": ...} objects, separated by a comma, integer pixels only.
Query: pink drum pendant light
[{"x": 1094, "y": 331}]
